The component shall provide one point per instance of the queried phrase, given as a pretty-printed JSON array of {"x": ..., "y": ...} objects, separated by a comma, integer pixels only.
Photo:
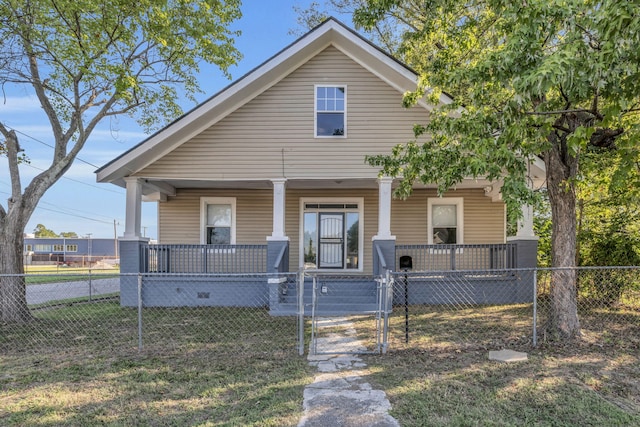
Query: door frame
[{"x": 359, "y": 201}]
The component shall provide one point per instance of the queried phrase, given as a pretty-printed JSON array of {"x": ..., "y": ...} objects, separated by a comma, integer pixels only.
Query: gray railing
[
  {"x": 205, "y": 258},
  {"x": 459, "y": 257}
]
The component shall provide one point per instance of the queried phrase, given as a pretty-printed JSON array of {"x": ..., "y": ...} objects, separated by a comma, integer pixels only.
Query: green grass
[
  {"x": 78, "y": 365},
  {"x": 202, "y": 366},
  {"x": 443, "y": 377}
]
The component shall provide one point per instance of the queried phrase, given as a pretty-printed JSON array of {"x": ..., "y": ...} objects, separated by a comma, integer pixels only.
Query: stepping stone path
[{"x": 339, "y": 395}]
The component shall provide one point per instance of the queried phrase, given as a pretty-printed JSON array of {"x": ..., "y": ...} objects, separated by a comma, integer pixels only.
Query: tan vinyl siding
[
  {"x": 483, "y": 219},
  {"x": 273, "y": 135},
  {"x": 179, "y": 217}
]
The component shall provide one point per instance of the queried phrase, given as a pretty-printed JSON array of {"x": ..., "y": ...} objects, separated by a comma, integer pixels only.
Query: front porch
[
  {"x": 259, "y": 275},
  {"x": 339, "y": 228}
]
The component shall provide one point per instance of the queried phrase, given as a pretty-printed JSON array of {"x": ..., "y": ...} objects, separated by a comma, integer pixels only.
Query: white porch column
[
  {"x": 133, "y": 208},
  {"x": 279, "y": 199},
  {"x": 384, "y": 209},
  {"x": 525, "y": 224}
]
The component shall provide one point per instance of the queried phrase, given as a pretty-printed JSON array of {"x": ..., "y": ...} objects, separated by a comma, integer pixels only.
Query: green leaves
[
  {"x": 531, "y": 76},
  {"x": 110, "y": 56}
]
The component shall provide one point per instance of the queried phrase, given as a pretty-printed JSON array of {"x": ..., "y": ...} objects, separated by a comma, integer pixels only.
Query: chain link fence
[
  {"x": 94, "y": 314},
  {"x": 607, "y": 301},
  {"x": 261, "y": 314},
  {"x": 457, "y": 310},
  {"x": 346, "y": 313}
]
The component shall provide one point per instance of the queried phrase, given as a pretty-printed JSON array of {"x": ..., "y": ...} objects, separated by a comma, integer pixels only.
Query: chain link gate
[{"x": 349, "y": 314}]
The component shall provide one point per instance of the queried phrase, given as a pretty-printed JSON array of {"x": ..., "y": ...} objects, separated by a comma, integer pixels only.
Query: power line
[
  {"x": 78, "y": 181},
  {"x": 48, "y": 145},
  {"x": 77, "y": 216},
  {"x": 69, "y": 213},
  {"x": 76, "y": 210}
]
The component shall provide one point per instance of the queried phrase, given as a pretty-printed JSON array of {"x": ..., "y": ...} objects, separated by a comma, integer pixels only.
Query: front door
[{"x": 331, "y": 240}]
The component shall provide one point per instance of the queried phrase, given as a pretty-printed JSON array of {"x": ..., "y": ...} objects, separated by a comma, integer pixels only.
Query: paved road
[{"x": 38, "y": 294}]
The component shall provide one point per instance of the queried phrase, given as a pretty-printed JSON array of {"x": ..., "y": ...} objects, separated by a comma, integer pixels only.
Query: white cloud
[{"x": 19, "y": 104}]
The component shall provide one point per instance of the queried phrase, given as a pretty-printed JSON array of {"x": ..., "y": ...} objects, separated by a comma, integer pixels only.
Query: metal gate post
[
  {"x": 388, "y": 294},
  {"x": 313, "y": 316},
  {"x": 535, "y": 308},
  {"x": 139, "y": 311},
  {"x": 300, "y": 278}
]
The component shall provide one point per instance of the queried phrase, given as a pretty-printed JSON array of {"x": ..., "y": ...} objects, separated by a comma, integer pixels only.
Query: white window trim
[
  {"x": 315, "y": 111},
  {"x": 354, "y": 200},
  {"x": 436, "y": 201},
  {"x": 204, "y": 201}
]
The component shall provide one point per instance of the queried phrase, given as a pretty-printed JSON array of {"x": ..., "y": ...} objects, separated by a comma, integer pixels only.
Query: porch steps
[{"x": 334, "y": 297}]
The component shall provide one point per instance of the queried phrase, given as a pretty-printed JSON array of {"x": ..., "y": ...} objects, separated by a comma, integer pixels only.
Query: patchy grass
[
  {"x": 79, "y": 365},
  {"x": 202, "y": 366},
  {"x": 443, "y": 377}
]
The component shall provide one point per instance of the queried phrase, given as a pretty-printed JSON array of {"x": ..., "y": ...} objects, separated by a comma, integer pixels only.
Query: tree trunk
[
  {"x": 13, "y": 298},
  {"x": 561, "y": 171}
]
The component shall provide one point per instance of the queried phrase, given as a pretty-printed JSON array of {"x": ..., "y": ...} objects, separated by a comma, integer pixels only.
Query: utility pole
[
  {"x": 89, "y": 247},
  {"x": 115, "y": 239}
]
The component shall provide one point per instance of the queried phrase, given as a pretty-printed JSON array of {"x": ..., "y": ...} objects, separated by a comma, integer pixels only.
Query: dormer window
[{"x": 331, "y": 111}]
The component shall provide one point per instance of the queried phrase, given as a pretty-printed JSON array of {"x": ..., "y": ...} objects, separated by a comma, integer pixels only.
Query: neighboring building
[
  {"x": 276, "y": 161},
  {"x": 63, "y": 250}
]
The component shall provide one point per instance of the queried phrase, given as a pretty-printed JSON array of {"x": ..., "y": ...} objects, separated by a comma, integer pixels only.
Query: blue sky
[{"x": 76, "y": 202}]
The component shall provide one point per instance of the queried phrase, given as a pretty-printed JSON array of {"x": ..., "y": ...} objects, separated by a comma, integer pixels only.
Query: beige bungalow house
[{"x": 268, "y": 176}]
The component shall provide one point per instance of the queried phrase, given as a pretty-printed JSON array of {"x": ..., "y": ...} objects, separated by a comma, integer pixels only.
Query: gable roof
[{"x": 329, "y": 33}]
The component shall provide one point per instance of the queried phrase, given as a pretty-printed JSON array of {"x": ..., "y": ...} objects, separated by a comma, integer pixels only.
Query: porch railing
[
  {"x": 459, "y": 257},
  {"x": 205, "y": 258}
]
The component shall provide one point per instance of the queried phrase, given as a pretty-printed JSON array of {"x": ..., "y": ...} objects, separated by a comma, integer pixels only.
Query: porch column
[
  {"x": 133, "y": 208},
  {"x": 278, "y": 209},
  {"x": 384, "y": 244},
  {"x": 526, "y": 255},
  {"x": 384, "y": 208},
  {"x": 277, "y": 245},
  {"x": 132, "y": 246},
  {"x": 525, "y": 224}
]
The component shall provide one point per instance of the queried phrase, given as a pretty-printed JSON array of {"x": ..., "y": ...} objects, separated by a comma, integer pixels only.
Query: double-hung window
[
  {"x": 445, "y": 221},
  {"x": 218, "y": 220},
  {"x": 331, "y": 111}
]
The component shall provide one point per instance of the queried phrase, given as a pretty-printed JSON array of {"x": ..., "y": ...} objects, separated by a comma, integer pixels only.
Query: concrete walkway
[{"x": 339, "y": 394}]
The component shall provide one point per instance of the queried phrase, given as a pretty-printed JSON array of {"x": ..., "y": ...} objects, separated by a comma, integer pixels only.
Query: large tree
[
  {"x": 87, "y": 60},
  {"x": 547, "y": 78}
]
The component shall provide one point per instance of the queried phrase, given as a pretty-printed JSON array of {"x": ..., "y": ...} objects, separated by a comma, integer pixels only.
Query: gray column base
[
  {"x": 386, "y": 248},
  {"x": 132, "y": 263}
]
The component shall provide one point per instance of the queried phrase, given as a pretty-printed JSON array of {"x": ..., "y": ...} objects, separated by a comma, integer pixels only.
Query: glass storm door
[{"x": 331, "y": 240}]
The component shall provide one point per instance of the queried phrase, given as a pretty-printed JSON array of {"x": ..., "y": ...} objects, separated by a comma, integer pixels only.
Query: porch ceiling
[{"x": 154, "y": 188}]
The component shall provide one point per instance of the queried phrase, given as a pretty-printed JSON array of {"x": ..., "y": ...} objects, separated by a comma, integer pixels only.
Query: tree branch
[
  {"x": 555, "y": 112},
  {"x": 13, "y": 148}
]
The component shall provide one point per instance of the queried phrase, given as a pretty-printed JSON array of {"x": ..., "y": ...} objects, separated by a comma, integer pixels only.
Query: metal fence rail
[
  {"x": 205, "y": 258},
  {"x": 86, "y": 314},
  {"x": 446, "y": 310},
  {"x": 347, "y": 313},
  {"x": 432, "y": 311},
  {"x": 459, "y": 257}
]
